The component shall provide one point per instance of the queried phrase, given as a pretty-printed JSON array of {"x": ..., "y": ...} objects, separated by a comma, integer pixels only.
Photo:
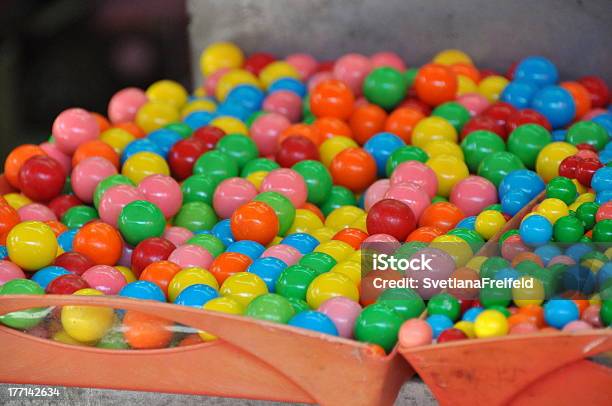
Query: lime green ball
[{"x": 385, "y": 86}]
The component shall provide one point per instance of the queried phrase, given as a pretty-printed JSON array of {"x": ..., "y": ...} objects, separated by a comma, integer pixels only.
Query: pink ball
[
  {"x": 473, "y": 194},
  {"x": 473, "y": 102},
  {"x": 191, "y": 255},
  {"x": 36, "y": 212},
  {"x": 523, "y": 328},
  {"x": 9, "y": 271},
  {"x": 382, "y": 243},
  {"x": 210, "y": 84},
  {"x": 177, "y": 235},
  {"x": 285, "y": 253},
  {"x": 104, "y": 278},
  {"x": 124, "y": 104},
  {"x": 343, "y": 312},
  {"x": 318, "y": 78},
  {"x": 72, "y": 128},
  {"x": 561, "y": 259},
  {"x": 114, "y": 200},
  {"x": 577, "y": 325},
  {"x": 390, "y": 59},
  {"x": 288, "y": 183},
  {"x": 54, "y": 152},
  {"x": 352, "y": 69},
  {"x": 415, "y": 333},
  {"x": 305, "y": 64},
  {"x": 164, "y": 192},
  {"x": 418, "y": 173},
  {"x": 231, "y": 194},
  {"x": 592, "y": 315},
  {"x": 591, "y": 114},
  {"x": 126, "y": 256},
  {"x": 412, "y": 195},
  {"x": 442, "y": 266},
  {"x": 376, "y": 192},
  {"x": 513, "y": 246},
  {"x": 265, "y": 131},
  {"x": 87, "y": 174},
  {"x": 586, "y": 154},
  {"x": 284, "y": 102}
]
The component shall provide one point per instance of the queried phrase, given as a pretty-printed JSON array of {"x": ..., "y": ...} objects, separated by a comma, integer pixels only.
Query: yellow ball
[
  {"x": 360, "y": 223},
  {"x": 232, "y": 79},
  {"x": 451, "y": 57},
  {"x": 323, "y": 234},
  {"x": 16, "y": 200},
  {"x": 338, "y": 250},
  {"x": 187, "y": 277},
  {"x": 355, "y": 256},
  {"x": 256, "y": 178},
  {"x": 443, "y": 147},
  {"x": 155, "y": 115},
  {"x": 595, "y": 299},
  {"x": 168, "y": 91},
  {"x": 455, "y": 246},
  {"x": 220, "y": 55},
  {"x": 277, "y": 70},
  {"x": 467, "y": 327},
  {"x": 553, "y": 209},
  {"x": 31, "y": 245},
  {"x": 449, "y": 170},
  {"x": 608, "y": 253},
  {"x": 549, "y": 158},
  {"x": 243, "y": 287},
  {"x": 199, "y": 92},
  {"x": 117, "y": 138},
  {"x": 63, "y": 337},
  {"x": 433, "y": 129},
  {"x": 87, "y": 323},
  {"x": 492, "y": 86},
  {"x": 530, "y": 293},
  {"x": 580, "y": 188},
  {"x": 230, "y": 125},
  {"x": 465, "y": 85},
  {"x": 476, "y": 262},
  {"x": 329, "y": 285},
  {"x": 585, "y": 197},
  {"x": 343, "y": 217},
  {"x": 198, "y": 105},
  {"x": 488, "y": 223},
  {"x": 490, "y": 323},
  {"x": 275, "y": 241},
  {"x": 142, "y": 164},
  {"x": 127, "y": 273},
  {"x": 333, "y": 146},
  {"x": 225, "y": 305},
  {"x": 305, "y": 221},
  {"x": 349, "y": 268}
]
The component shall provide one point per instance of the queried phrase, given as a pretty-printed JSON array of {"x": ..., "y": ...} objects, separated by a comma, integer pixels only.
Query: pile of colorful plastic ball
[{"x": 254, "y": 195}]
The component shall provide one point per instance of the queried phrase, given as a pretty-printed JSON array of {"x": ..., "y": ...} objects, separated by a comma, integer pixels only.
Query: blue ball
[
  {"x": 536, "y": 230},
  {"x": 141, "y": 145},
  {"x": 536, "y": 70},
  {"x": 605, "y": 156},
  {"x": 579, "y": 278},
  {"x": 518, "y": 94},
  {"x": 143, "y": 290},
  {"x": 316, "y": 321},
  {"x": 233, "y": 109},
  {"x": 66, "y": 238},
  {"x": 165, "y": 139},
  {"x": 507, "y": 273},
  {"x": 196, "y": 295},
  {"x": 559, "y": 135},
  {"x": 223, "y": 231},
  {"x": 603, "y": 275},
  {"x": 4, "y": 252},
  {"x": 361, "y": 201},
  {"x": 559, "y": 312},
  {"x": 303, "y": 242},
  {"x": 602, "y": 179},
  {"x": 199, "y": 119},
  {"x": 248, "y": 96},
  {"x": 471, "y": 313},
  {"x": 577, "y": 251},
  {"x": 547, "y": 252},
  {"x": 524, "y": 180},
  {"x": 556, "y": 104},
  {"x": 269, "y": 270},
  {"x": 291, "y": 84},
  {"x": 467, "y": 222},
  {"x": 604, "y": 120},
  {"x": 48, "y": 274},
  {"x": 251, "y": 249},
  {"x": 381, "y": 146},
  {"x": 439, "y": 323},
  {"x": 603, "y": 197},
  {"x": 513, "y": 201}
]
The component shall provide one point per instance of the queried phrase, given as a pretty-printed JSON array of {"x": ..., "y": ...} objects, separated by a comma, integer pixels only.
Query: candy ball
[
  {"x": 87, "y": 174},
  {"x": 31, "y": 245},
  {"x": 343, "y": 312},
  {"x": 143, "y": 164},
  {"x": 556, "y": 104},
  {"x": 559, "y": 312},
  {"x": 391, "y": 217},
  {"x": 41, "y": 178},
  {"x": 435, "y": 84},
  {"x": 231, "y": 194},
  {"x": 414, "y": 333},
  {"x": 255, "y": 221},
  {"x": 163, "y": 191},
  {"x": 87, "y": 323},
  {"x": 124, "y": 104},
  {"x": 472, "y": 194},
  {"x": 288, "y": 183},
  {"x": 100, "y": 242},
  {"x": 385, "y": 87},
  {"x": 449, "y": 170},
  {"x": 73, "y": 127},
  {"x": 490, "y": 323},
  {"x": 105, "y": 279},
  {"x": 140, "y": 220},
  {"x": 536, "y": 230}
]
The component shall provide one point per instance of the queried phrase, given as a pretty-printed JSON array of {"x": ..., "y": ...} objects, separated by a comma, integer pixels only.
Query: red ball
[
  {"x": 526, "y": 116},
  {"x": 325, "y": 66},
  {"x": 586, "y": 146},
  {"x": 598, "y": 90},
  {"x": 390, "y": 216},
  {"x": 568, "y": 166},
  {"x": 74, "y": 262},
  {"x": 488, "y": 72},
  {"x": 183, "y": 155},
  {"x": 416, "y": 104},
  {"x": 586, "y": 169},
  {"x": 296, "y": 149},
  {"x": 62, "y": 203},
  {"x": 66, "y": 284},
  {"x": 511, "y": 69},
  {"x": 151, "y": 250},
  {"x": 500, "y": 112},
  {"x": 483, "y": 122},
  {"x": 451, "y": 334},
  {"x": 42, "y": 178},
  {"x": 257, "y": 61},
  {"x": 209, "y": 135}
]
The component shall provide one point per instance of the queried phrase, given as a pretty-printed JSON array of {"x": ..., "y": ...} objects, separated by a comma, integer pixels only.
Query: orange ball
[
  {"x": 332, "y": 98},
  {"x": 313, "y": 208},
  {"x": 442, "y": 215},
  {"x": 535, "y": 313},
  {"x": 354, "y": 169},
  {"x": 143, "y": 331},
  {"x": 16, "y": 159},
  {"x": 526, "y": 256},
  {"x": 100, "y": 242},
  {"x": 464, "y": 69},
  {"x": 255, "y": 221},
  {"x": 581, "y": 96},
  {"x": 102, "y": 121},
  {"x": 56, "y": 226},
  {"x": 191, "y": 339},
  {"x": 160, "y": 273},
  {"x": 582, "y": 304},
  {"x": 132, "y": 128},
  {"x": 424, "y": 234},
  {"x": 330, "y": 127},
  {"x": 227, "y": 264},
  {"x": 304, "y": 130},
  {"x": 436, "y": 84},
  {"x": 366, "y": 121},
  {"x": 352, "y": 236},
  {"x": 9, "y": 218},
  {"x": 402, "y": 121},
  {"x": 95, "y": 148},
  {"x": 519, "y": 318}
]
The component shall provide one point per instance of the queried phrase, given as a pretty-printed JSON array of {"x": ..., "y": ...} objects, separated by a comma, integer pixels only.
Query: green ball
[
  {"x": 259, "y": 164},
  {"x": 294, "y": 281},
  {"x": 240, "y": 147},
  {"x": 410, "y": 76},
  {"x": 108, "y": 183},
  {"x": 474, "y": 239},
  {"x": 406, "y": 302},
  {"x": 586, "y": 212},
  {"x": 318, "y": 262},
  {"x": 444, "y": 304},
  {"x": 454, "y": 113},
  {"x": 209, "y": 242},
  {"x": 271, "y": 307},
  {"x": 198, "y": 188},
  {"x": 309, "y": 119},
  {"x": 526, "y": 142},
  {"x": 562, "y": 188},
  {"x": 496, "y": 207},
  {"x": 298, "y": 305},
  {"x": 216, "y": 165},
  {"x": 196, "y": 216},
  {"x": 527, "y": 267},
  {"x": 403, "y": 154},
  {"x": 568, "y": 229},
  {"x": 181, "y": 128},
  {"x": 77, "y": 216},
  {"x": 478, "y": 145},
  {"x": 490, "y": 266},
  {"x": 67, "y": 190},
  {"x": 113, "y": 340},
  {"x": 499, "y": 164},
  {"x": 602, "y": 232},
  {"x": 140, "y": 220},
  {"x": 493, "y": 296},
  {"x": 338, "y": 197},
  {"x": 306, "y": 106},
  {"x": 318, "y": 180},
  {"x": 437, "y": 199},
  {"x": 282, "y": 206},
  {"x": 587, "y": 132},
  {"x": 385, "y": 86},
  {"x": 606, "y": 312},
  {"x": 378, "y": 324},
  {"x": 28, "y": 318}
]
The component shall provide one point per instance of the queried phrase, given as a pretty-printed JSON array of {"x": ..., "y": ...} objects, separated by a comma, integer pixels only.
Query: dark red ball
[
  {"x": 586, "y": 146},
  {"x": 325, "y": 66},
  {"x": 295, "y": 149},
  {"x": 62, "y": 203},
  {"x": 586, "y": 169},
  {"x": 568, "y": 166},
  {"x": 257, "y": 61},
  {"x": 500, "y": 112},
  {"x": 183, "y": 155},
  {"x": 511, "y": 70},
  {"x": 451, "y": 334},
  {"x": 209, "y": 135},
  {"x": 488, "y": 72},
  {"x": 598, "y": 90},
  {"x": 390, "y": 216},
  {"x": 526, "y": 116},
  {"x": 66, "y": 285},
  {"x": 75, "y": 262},
  {"x": 42, "y": 178},
  {"x": 417, "y": 104},
  {"x": 482, "y": 122},
  {"x": 151, "y": 250}
]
